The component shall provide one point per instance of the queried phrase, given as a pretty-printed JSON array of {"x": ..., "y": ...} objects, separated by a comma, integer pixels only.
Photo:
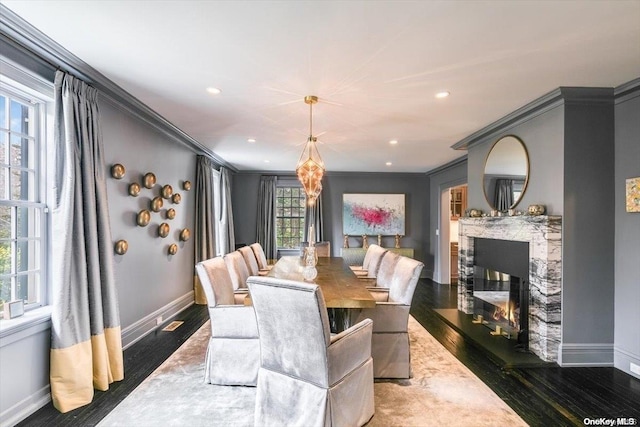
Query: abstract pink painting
[{"x": 373, "y": 214}]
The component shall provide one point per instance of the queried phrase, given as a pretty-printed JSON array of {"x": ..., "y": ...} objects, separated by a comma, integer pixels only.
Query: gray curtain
[
  {"x": 504, "y": 194},
  {"x": 266, "y": 226},
  {"x": 226, "y": 212},
  {"x": 86, "y": 346},
  {"x": 313, "y": 215},
  {"x": 204, "y": 226}
]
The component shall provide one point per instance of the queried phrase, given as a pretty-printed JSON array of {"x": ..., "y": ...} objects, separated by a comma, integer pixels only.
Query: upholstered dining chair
[
  {"x": 252, "y": 262},
  {"x": 308, "y": 377},
  {"x": 233, "y": 353},
  {"x": 239, "y": 273},
  {"x": 390, "y": 344},
  {"x": 387, "y": 269},
  {"x": 323, "y": 249},
  {"x": 371, "y": 262},
  {"x": 261, "y": 257}
]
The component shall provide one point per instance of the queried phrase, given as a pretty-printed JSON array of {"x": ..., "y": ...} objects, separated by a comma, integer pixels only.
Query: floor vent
[{"x": 173, "y": 326}]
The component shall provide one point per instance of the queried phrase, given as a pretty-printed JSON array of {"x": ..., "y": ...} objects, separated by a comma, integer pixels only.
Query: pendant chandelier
[{"x": 310, "y": 168}]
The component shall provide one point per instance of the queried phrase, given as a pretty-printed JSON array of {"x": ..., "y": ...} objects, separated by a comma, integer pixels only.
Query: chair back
[
  {"x": 250, "y": 259},
  {"x": 293, "y": 327},
  {"x": 386, "y": 270},
  {"x": 216, "y": 281},
  {"x": 323, "y": 249},
  {"x": 237, "y": 269},
  {"x": 372, "y": 259},
  {"x": 405, "y": 278},
  {"x": 258, "y": 251}
]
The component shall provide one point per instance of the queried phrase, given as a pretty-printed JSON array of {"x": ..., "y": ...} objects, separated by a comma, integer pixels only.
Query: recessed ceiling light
[
  {"x": 393, "y": 142},
  {"x": 252, "y": 140},
  {"x": 267, "y": 161},
  {"x": 213, "y": 90},
  {"x": 388, "y": 163},
  {"x": 442, "y": 94}
]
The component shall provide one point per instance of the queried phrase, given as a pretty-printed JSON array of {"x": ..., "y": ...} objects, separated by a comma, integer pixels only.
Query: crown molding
[{"x": 40, "y": 47}]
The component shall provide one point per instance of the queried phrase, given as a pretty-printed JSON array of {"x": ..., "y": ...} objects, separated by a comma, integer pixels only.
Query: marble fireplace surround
[{"x": 544, "y": 234}]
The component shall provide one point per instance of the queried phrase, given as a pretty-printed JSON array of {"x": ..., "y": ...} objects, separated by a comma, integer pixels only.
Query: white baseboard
[
  {"x": 135, "y": 332},
  {"x": 585, "y": 355},
  {"x": 623, "y": 360},
  {"x": 25, "y": 407}
]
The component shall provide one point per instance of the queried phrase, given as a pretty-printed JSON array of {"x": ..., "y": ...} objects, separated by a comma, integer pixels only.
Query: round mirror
[{"x": 506, "y": 173}]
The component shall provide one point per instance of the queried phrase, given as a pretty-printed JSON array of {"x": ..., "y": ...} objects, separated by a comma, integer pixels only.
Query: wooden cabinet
[{"x": 458, "y": 202}]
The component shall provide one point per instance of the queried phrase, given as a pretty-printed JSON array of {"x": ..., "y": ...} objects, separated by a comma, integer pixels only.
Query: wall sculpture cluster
[{"x": 156, "y": 205}]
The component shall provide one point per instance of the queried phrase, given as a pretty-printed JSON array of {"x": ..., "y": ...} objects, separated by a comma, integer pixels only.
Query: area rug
[{"x": 442, "y": 392}]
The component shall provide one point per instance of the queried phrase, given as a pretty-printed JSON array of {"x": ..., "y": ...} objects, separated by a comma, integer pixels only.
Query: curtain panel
[
  {"x": 504, "y": 194},
  {"x": 204, "y": 224},
  {"x": 86, "y": 346},
  {"x": 226, "y": 213},
  {"x": 313, "y": 215},
  {"x": 266, "y": 221}
]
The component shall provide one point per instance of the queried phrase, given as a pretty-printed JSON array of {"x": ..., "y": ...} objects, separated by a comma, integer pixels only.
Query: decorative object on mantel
[
  {"x": 121, "y": 247},
  {"x": 345, "y": 241},
  {"x": 475, "y": 213},
  {"x": 176, "y": 198},
  {"x": 310, "y": 167},
  {"x": 117, "y": 171},
  {"x": 167, "y": 191},
  {"x": 186, "y": 186},
  {"x": 633, "y": 194},
  {"x": 173, "y": 249},
  {"x": 171, "y": 213},
  {"x": 149, "y": 180},
  {"x": 535, "y": 210},
  {"x": 163, "y": 230},
  {"x": 156, "y": 204},
  {"x": 379, "y": 239},
  {"x": 185, "y": 234},
  {"x": 397, "y": 243},
  {"x": 365, "y": 243},
  {"x": 134, "y": 189},
  {"x": 143, "y": 218}
]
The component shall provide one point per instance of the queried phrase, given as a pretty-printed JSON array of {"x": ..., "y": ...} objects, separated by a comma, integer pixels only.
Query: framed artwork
[
  {"x": 373, "y": 214},
  {"x": 633, "y": 194}
]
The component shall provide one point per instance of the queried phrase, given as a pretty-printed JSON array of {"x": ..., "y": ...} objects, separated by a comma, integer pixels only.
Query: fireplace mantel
[{"x": 544, "y": 234}]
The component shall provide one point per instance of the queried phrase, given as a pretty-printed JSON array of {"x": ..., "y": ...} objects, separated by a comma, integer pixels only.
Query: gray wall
[
  {"x": 148, "y": 279},
  {"x": 627, "y": 235},
  {"x": 414, "y": 186},
  {"x": 571, "y": 153}
]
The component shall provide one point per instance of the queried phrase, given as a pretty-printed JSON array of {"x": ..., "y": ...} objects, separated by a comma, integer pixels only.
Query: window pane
[
  {"x": 28, "y": 222},
  {"x": 27, "y": 286},
  {"x": 27, "y": 255},
  {"x": 19, "y": 116},
  {"x": 3, "y": 148},
  {"x": 4, "y": 183},
  {"x": 22, "y": 152},
  {"x": 3, "y": 112},
  {"x": 5, "y": 257},
  {"x": 23, "y": 185},
  {"x": 295, "y": 192},
  {"x": 5, "y": 288},
  {"x": 5, "y": 222},
  {"x": 279, "y": 191}
]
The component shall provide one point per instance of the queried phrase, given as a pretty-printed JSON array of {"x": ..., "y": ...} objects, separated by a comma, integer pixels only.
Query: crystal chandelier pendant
[{"x": 310, "y": 168}]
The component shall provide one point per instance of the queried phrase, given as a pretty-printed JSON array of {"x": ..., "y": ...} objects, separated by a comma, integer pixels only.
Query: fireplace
[{"x": 528, "y": 251}]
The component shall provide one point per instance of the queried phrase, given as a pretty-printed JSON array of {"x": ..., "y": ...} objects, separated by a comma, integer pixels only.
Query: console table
[{"x": 355, "y": 256}]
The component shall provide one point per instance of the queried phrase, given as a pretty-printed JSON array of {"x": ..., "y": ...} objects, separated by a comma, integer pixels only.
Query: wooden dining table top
[{"x": 341, "y": 288}]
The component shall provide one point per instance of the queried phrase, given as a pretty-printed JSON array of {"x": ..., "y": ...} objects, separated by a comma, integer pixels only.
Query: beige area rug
[{"x": 442, "y": 392}]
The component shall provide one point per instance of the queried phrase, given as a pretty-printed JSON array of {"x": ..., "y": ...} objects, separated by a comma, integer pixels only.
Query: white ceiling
[{"x": 375, "y": 65}]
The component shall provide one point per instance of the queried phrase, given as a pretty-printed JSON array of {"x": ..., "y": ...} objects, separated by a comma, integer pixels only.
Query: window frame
[
  {"x": 290, "y": 184},
  {"x": 27, "y": 88}
]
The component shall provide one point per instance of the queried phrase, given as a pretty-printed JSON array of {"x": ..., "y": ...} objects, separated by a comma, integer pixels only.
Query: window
[
  {"x": 290, "y": 209},
  {"x": 22, "y": 195}
]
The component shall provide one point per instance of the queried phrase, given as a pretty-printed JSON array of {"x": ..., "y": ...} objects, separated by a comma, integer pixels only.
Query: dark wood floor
[{"x": 542, "y": 396}]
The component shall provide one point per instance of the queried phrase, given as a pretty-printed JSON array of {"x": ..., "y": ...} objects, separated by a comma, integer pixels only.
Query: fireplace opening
[
  {"x": 500, "y": 288},
  {"x": 501, "y": 299}
]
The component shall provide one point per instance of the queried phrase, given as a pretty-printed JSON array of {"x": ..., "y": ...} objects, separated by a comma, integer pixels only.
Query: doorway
[{"x": 453, "y": 204}]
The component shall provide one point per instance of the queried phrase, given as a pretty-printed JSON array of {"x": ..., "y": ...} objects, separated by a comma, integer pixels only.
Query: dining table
[{"x": 344, "y": 293}]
